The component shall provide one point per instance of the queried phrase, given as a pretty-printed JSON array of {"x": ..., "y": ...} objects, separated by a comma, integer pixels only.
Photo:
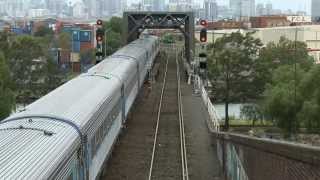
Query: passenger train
[{"x": 69, "y": 133}]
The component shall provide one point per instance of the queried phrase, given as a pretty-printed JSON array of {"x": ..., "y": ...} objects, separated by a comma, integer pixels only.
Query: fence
[
  {"x": 244, "y": 158},
  {"x": 249, "y": 158},
  {"x": 213, "y": 124}
]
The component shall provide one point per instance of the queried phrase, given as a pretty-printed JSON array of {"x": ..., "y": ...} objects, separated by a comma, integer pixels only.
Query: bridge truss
[{"x": 136, "y": 22}]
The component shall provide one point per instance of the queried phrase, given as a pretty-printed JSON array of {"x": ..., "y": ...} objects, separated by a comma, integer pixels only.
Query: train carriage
[{"x": 69, "y": 133}]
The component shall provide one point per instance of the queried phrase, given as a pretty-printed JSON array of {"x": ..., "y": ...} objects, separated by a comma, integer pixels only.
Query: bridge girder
[{"x": 136, "y": 22}]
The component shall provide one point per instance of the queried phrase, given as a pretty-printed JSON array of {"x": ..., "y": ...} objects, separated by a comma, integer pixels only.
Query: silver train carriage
[{"x": 69, "y": 133}]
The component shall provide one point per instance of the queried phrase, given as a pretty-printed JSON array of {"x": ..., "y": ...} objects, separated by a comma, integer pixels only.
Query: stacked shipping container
[{"x": 81, "y": 41}]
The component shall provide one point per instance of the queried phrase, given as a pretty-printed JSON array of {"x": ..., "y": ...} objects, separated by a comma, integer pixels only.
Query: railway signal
[
  {"x": 203, "y": 35},
  {"x": 99, "y": 39},
  {"x": 203, "y": 32},
  {"x": 203, "y": 23}
]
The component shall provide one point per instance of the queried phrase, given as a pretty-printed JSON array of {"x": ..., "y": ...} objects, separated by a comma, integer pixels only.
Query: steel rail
[
  {"x": 184, "y": 162},
  {"x": 158, "y": 120}
]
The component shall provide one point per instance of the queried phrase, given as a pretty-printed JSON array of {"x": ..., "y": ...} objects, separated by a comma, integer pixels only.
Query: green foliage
[
  {"x": 115, "y": 23},
  {"x": 64, "y": 41},
  {"x": 285, "y": 52},
  {"x": 114, "y": 34},
  {"x": 232, "y": 68},
  {"x": 6, "y": 94},
  {"x": 31, "y": 68},
  {"x": 168, "y": 39},
  {"x": 283, "y": 99},
  {"x": 5, "y": 43},
  {"x": 44, "y": 31},
  {"x": 113, "y": 42},
  {"x": 87, "y": 57},
  {"x": 252, "y": 112},
  {"x": 310, "y": 92}
]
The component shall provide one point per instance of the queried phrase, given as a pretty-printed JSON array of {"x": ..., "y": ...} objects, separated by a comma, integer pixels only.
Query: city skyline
[{"x": 295, "y": 5}]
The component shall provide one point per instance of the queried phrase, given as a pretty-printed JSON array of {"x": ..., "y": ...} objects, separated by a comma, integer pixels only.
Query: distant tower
[
  {"x": 260, "y": 9},
  {"x": 269, "y": 8},
  {"x": 159, "y": 5},
  {"x": 147, "y": 5},
  {"x": 242, "y": 9},
  {"x": 315, "y": 10},
  {"x": 211, "y": 9}
]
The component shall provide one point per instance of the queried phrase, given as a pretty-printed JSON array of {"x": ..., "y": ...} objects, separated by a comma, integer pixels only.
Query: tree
[
  {"x": 6, "y": 94},
  {"x": 114, "y": 35},
  {"x": 44, "y": 31},
  {"x": 87, "y": 57},
  {"x": 64, "y": 41},
  {"x": 5, "y": 43},
  {"x": 115, "y": 23},
  {"x": 285, "y": 52},
  {"x": 27, "y": 59},
  {"x": 252, "y": 112},
  {"x": 113, "y": 42},
  {"x": 310, "y": 111},
  {"x": 231, "y": 68},
  {"x": 52, "y": 76},
  {"x": 281, "y": 102}
]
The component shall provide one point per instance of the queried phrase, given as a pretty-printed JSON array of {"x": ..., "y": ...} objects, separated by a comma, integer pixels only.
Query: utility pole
[
  {"x": 240, "y": 18},
  {"x": 295, "y": 81}
]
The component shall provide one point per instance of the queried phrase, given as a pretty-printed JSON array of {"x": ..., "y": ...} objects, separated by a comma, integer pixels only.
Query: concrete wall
[{"x": 244, "y": 157}]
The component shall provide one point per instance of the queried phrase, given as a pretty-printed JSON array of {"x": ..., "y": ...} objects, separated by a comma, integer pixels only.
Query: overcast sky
[{"x": 304, "y": 5}]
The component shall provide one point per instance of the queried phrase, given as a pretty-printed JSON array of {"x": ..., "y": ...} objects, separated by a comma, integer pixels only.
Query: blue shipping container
[
  {"x": 85, "y": 36},
  {"x": 76, "y": 46},
  {"x": 17, "y": 31},
  {"x": 75, "y": 35}
]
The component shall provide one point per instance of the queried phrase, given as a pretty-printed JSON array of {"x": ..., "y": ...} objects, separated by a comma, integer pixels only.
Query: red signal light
[
  {"x": 203, "y": 23},
  {"x": 99, "y": 38},
  {"x": 203, "y": 35},
  {"x": 99, "y": 22}
]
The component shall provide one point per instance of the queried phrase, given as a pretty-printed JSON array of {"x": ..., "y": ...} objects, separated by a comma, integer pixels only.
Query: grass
[{"x": 239, "y": 122}]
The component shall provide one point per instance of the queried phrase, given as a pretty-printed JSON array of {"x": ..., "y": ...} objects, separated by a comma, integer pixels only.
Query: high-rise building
[
  {"x": 315, "y": 10},
  {"x": 211, "y": 9},
  {"x": 180, "y": 5},
  {"x": 224, "y": 12},
  {"x": 260, "y": 9},
  {"x": 147, "y": 5},
  {"x": 112, "y": 7},
  {"x": 242, "y": 9},
  {"x": 159, "y": 5},
  {"x": 55, "y": 6},
  {"x": 269, "y": 9}
]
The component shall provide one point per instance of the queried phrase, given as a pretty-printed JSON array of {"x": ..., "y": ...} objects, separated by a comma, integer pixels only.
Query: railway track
[{"x": 169, "y": 159}]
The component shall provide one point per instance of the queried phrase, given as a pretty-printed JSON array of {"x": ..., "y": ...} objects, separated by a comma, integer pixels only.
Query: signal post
[{"x": 99, "y": 39}]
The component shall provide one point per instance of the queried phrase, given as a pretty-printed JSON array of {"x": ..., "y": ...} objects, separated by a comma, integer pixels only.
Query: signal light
[
  {"x": 99, "y": 35},
  {"x": 203, "y": 23},
  {"x": 99, "y": 22},
  {"x": 99, "y": 38},
  {"x": 203, "y": 35}
]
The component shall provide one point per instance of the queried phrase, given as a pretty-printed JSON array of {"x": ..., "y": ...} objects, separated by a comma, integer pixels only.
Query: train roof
[
  {"x": 118, "y": 67},
  {"x": 33, "y": 148},
  {"x": 137, "y": 48}
]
